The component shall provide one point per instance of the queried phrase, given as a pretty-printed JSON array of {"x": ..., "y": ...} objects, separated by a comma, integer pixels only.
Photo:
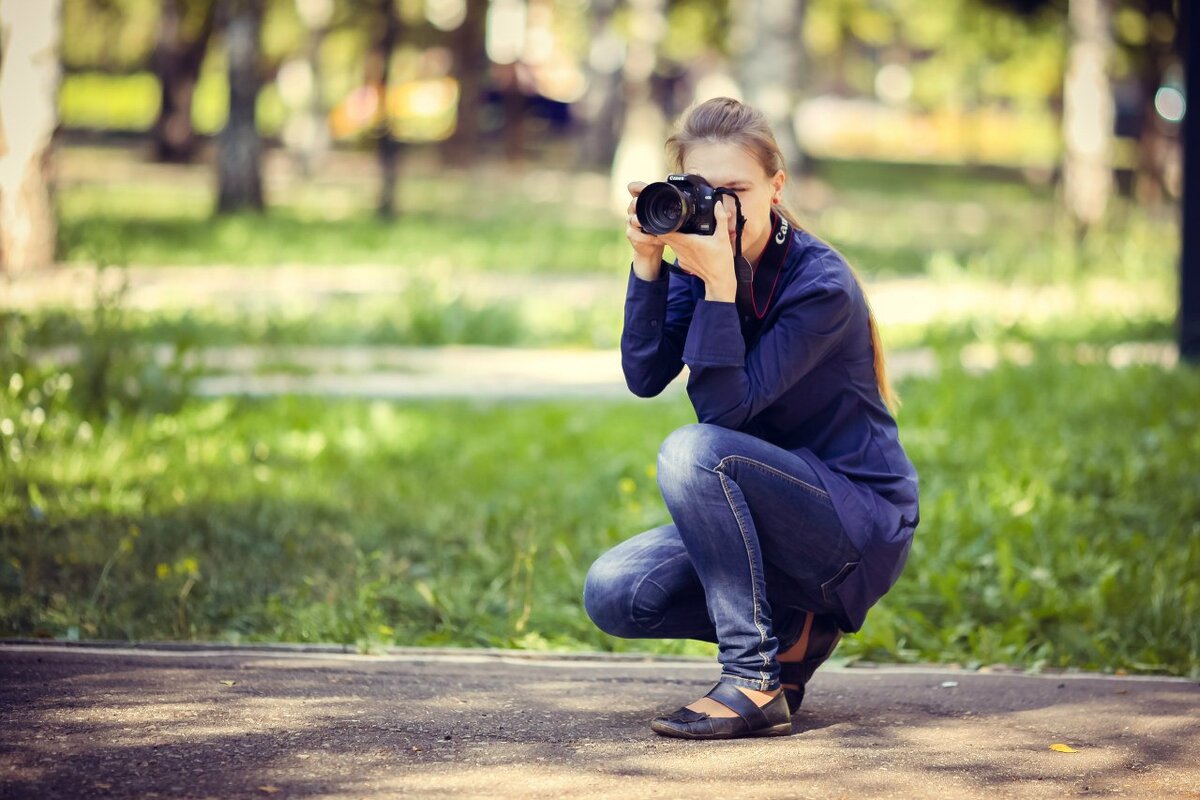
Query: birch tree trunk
[
  {"x": 768, "y": 47},
  {"x": 29, "y": 76},
  {"x": 239, "y": 162},
  {"x": 640, "y": 153},
  {"x": 1088, "y": 112},
  {"x": 604, "y": 107}
]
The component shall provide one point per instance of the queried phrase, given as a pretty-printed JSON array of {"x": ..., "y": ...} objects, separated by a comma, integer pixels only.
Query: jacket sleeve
[
  {"x": 728, "y": 386},
  {"x": 657, "y": 316}
]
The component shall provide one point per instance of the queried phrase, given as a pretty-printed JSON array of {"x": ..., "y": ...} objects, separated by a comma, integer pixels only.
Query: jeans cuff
[{"x": 751, "y": 683}]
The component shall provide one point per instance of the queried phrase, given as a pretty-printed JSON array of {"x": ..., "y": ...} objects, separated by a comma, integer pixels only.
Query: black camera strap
[{"x": 756, "y": 287}]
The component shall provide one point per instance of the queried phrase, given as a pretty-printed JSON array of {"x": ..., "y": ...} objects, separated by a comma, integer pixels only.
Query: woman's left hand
[{"x": 709, "y": 258}]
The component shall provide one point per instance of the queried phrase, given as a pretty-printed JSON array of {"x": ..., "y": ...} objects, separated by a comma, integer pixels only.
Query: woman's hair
[{"x": 728, "y": 121}]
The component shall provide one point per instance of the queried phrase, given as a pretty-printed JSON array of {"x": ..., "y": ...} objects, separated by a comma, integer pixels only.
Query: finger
[
  {"x": 723, "y": 216},
  {"x": 635, "y": 187}
]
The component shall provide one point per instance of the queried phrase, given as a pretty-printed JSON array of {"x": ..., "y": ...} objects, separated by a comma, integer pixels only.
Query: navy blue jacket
[{"x": 802, "y": 378}]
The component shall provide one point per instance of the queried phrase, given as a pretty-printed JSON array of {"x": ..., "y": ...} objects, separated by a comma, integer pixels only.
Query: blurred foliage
[{"x": 966, "y": 52}]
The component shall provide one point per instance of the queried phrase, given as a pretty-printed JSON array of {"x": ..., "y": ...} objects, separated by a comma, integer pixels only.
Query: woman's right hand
[{"x": 647, "y": 249}]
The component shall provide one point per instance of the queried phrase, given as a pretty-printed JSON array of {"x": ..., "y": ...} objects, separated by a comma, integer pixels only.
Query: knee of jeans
[
  {"x": 606, "y": 598},
  {"x": 685, "y": 454}
]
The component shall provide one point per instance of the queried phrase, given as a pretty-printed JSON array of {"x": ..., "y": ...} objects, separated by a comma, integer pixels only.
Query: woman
[{"x": 792, "y": 501}]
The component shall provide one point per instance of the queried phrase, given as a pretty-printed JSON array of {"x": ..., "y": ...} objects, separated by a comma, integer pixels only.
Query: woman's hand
[
  {"x": 709, "y": 258},
  {"x": 647, "y": 249}
]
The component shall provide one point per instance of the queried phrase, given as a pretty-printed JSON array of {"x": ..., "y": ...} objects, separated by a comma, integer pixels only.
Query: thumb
[
  {"x": 635, "y": 187},
  {"x": 721, "y": 216}
]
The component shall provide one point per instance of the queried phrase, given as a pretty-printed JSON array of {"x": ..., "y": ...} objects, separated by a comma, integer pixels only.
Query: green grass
[
  {"x": 1060, "y": 508},
  {"x": 419, "y": 242}
]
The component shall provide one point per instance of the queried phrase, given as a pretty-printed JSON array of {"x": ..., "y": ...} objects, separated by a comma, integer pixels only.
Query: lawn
[{"x": 1060, "y": 506}]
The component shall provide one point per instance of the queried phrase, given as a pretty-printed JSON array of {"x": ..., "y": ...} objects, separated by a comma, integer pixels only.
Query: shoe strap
[{"x": 729, "y": 695}]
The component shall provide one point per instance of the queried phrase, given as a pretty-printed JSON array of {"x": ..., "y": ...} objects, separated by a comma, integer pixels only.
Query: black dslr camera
[{"x": 682, "y": 203}]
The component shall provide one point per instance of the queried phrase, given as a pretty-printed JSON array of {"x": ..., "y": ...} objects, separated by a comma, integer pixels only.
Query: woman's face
[{"x": 730, "y": 166}]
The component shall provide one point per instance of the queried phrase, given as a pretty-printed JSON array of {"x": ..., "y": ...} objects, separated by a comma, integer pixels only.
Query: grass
[{"x": 1060, "y": 510}]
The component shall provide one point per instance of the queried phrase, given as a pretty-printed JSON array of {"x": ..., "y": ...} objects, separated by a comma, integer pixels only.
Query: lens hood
[{"x": 662, "y": 208}]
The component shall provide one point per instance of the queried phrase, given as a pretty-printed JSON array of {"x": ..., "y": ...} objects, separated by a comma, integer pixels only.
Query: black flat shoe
[
  {"x": 819, "y": 639},
  {"x": 773, "y": 719}
]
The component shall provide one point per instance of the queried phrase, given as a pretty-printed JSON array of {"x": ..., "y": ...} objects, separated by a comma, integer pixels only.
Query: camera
[{"x": 681, "y": 203}]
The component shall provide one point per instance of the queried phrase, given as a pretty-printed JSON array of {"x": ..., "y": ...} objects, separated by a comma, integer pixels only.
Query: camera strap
[{"x": 756, "y": 287}]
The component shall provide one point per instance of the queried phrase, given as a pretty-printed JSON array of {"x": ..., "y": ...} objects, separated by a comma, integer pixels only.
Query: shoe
[
  {"x": 817, "y": 641},
  {"x": 773, "y": 719}
]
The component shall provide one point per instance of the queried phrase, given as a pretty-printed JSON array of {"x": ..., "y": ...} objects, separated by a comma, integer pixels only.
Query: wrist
[
  {"x": 648, "y": 268},
  {"x": 721, "y": 291}
]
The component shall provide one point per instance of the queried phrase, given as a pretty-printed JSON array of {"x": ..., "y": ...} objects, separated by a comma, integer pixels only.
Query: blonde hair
[{"x": 726, "y": 120}]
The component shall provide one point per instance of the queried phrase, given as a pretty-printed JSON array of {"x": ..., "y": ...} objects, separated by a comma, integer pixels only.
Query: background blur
[{"x": 309, "y": 310}]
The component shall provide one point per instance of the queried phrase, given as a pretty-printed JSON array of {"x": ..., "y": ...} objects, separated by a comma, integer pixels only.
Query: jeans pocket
[{"x": 831, "y": 585}]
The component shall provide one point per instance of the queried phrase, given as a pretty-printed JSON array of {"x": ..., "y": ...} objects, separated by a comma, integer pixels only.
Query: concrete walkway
[
  {"x": 283, "y": 722},
  {"x": 493, "y": 372}
]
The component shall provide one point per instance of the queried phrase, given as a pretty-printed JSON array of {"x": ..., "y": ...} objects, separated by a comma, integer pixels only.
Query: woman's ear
[{"x": 777, "y": 182}]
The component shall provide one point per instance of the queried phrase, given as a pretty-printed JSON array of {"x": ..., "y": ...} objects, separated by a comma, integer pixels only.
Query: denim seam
[
  {"x": 817, "y": 490},
  {"x": 646, "y": 579},
  {"x": 754, "y": 579}
]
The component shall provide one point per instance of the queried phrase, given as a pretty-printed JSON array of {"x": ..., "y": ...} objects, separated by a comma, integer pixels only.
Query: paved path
[
  {"x": 109, "y": 723},
  {"x": 492, "y": 372}
]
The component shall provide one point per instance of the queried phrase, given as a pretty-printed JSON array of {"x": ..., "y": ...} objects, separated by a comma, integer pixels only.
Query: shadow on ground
[{"x": 88, "y": 723}]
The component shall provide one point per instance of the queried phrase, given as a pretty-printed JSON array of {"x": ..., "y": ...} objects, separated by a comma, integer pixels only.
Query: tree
[
  {"x": 29, "y": 76},
  {"x": 239, "y": 160},
  {"x": 470, "y": 70},
  {"x": 185, "y": 27},
  {"x": 378, "y": 75},
  {"x": 603, "y": 107},
  {"x": 767, "y": 44},
  {"x": 1088, "y": 112},
  {"x": 639, "y": 155},
  {"x": 1189, "y": 289}
]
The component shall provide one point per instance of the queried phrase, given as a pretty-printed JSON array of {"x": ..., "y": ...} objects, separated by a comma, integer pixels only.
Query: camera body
[{"x": 681, "y": 203}]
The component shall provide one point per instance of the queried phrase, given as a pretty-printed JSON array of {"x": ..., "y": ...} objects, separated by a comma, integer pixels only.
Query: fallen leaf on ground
[
  {"x": 268, "y": 789},
  {"x": 1063, "y": 748},
  {"x": 229, "y": 683}
]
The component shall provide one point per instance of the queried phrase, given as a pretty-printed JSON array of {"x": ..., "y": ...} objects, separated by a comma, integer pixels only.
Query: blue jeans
[{"x": 755, "y": 543}]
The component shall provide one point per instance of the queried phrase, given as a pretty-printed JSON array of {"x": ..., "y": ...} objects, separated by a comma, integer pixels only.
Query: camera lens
[{"x": 661, "y": 208}]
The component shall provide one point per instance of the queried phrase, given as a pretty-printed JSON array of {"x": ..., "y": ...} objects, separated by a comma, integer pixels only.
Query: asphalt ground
[{"x": 185, "y": 722}]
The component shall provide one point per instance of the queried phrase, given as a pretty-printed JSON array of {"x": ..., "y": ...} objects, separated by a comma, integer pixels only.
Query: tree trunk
[
  {"x": 470, "y": 70},
  {"x": 604, "y": 108},
  {"x": 768, "y": 48},
  {"x": 1156, "y": 143},
  {"x": 1088, "y": 112},
  {"x": 639, "y": 155},
  {"x": 178, "y": 56},
  {"x": 1189, "y": 285},
  {"x": 239, "y": 163},
  {"x": 29, "y": 76},
  {"x": 379, "y": 68},
  {"x": 514, "y": 112}
]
